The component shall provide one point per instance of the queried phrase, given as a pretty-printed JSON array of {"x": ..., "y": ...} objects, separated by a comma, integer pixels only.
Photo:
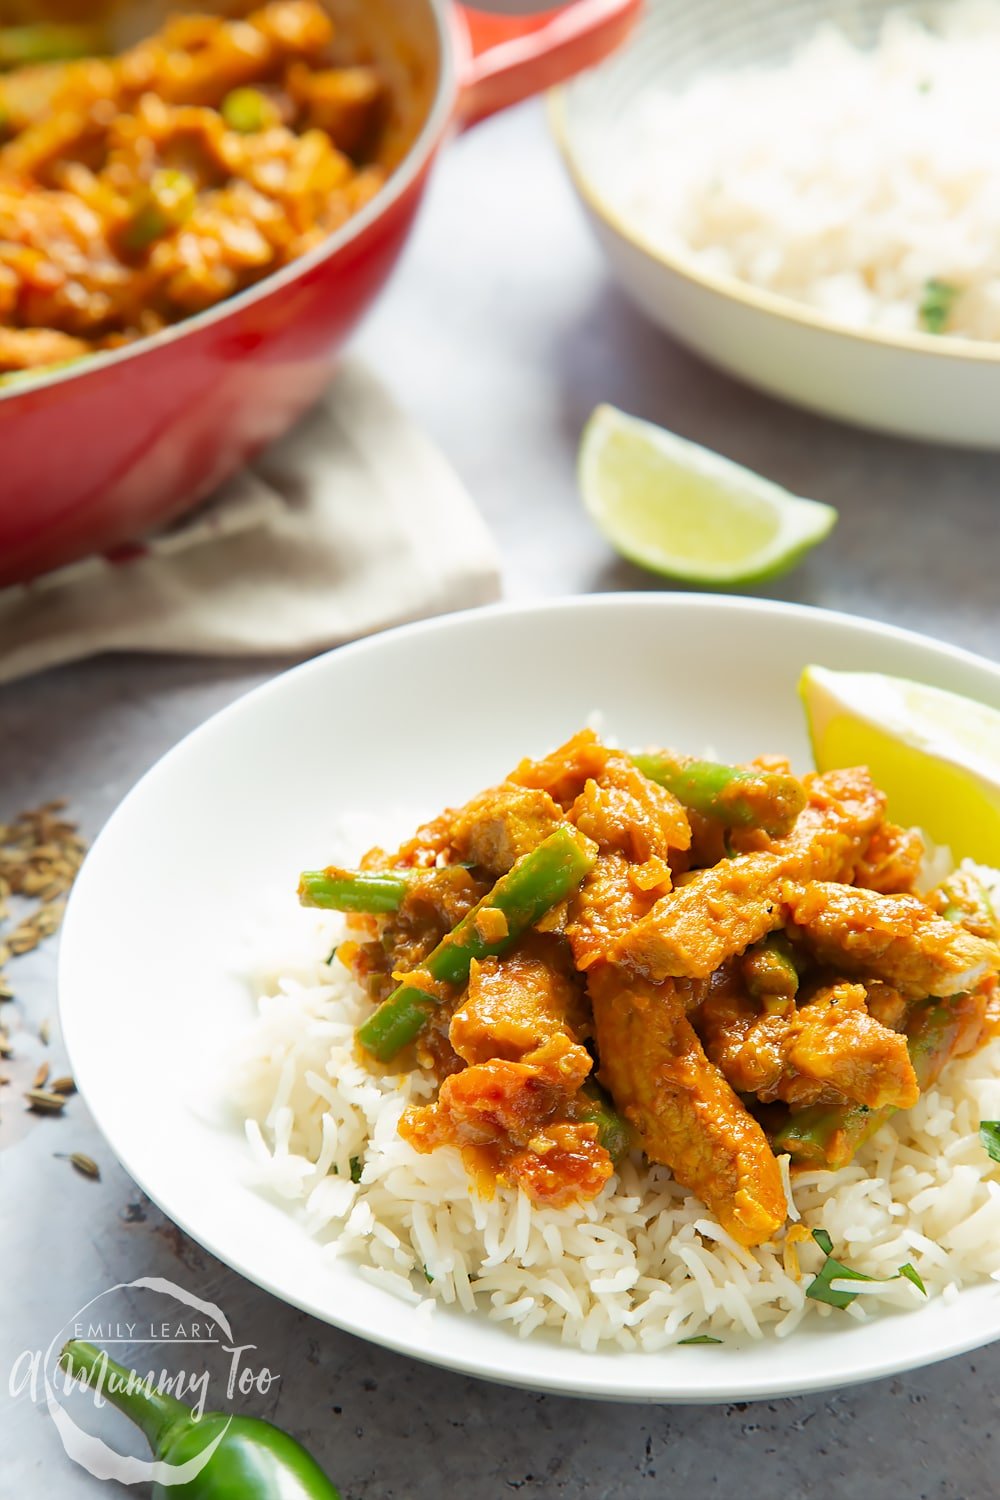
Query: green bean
[
  {"x": 354, "y": 890},
  {"x": 376, "y": 891},
  {"x": 167, "y": 201},
  {"x": 968, "y": 903},
  {"x": 770, "y": 971},
  {"x": 827, "y": 1135},
  {"x": 536, "y": 883},
  {"x": 45, "y": 42},
  {"x": 248, "y": 110},
  {"x": 613, "y": 1131},
  {"x": 737, "y": 798}
]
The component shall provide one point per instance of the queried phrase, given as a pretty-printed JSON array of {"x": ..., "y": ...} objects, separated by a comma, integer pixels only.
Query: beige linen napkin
[{"x": 351, "y": 523}]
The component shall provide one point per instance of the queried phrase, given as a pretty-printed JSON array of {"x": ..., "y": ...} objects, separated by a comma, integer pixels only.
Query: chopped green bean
[
  {"x": 167, "y": 202},
  {"x": 770, "y": 971},
  {"x": 247, "y": 111},
  {"x": 376, "y": 891},
  {"x": 536, "y": 883},
  {"x": 354, "y": 890},
  {"x": 737, "y": 798},
  {"x": 23, "y": 46},
  {"x": 827, "y": 1135},
  {"x": 612, "y": 1129}
]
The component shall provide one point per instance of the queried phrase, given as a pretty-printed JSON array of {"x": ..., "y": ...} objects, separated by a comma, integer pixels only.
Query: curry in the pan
[{"x": 141, "y": 188}]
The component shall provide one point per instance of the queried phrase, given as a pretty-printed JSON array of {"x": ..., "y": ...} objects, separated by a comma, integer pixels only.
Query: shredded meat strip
[
  {"x": 720, "y": 911},
  {"x": 894, "y": 938},
  {"x": 682, "y": 1109}
]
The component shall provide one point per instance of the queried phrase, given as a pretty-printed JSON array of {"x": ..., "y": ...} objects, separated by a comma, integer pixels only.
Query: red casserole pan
[{"x": 97, "y": 455}]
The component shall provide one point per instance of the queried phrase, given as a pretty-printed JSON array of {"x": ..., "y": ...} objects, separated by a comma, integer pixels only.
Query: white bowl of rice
[{"x": 808, "y": 195}]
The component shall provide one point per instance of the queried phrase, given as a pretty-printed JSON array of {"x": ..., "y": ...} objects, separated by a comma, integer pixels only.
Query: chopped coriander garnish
[
  {"x": 989, "y": 1137},
  {"x": 355, "y": 1168},
  {"x": 935, "y": 308},
  {"x": 820, "y": 1289},
  {"x": 912, "y": 1274},
  {"x": 331, "y": 955},
  {"x": 427, "y": 1274},
  {"x": 699, "y": 1338},
  {"x": 823, "y": 1240}
]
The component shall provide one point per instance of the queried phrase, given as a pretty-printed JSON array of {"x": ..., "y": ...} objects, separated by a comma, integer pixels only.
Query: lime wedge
[
  {"x": 679, "y": 509},
  {"x": 936, "y": 755}
]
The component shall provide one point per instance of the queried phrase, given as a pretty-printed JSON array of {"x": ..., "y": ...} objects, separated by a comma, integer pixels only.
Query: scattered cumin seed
[
  {"x": 63, "y": 1085},
  {"x": 44, "y": 1033},
  {"x": 41, "y": 1075},
  {"x": 86, "y": 1165},
  {"x": 40, "y": 854},
  {"x": 24, "y": 938},
  {"x": 44, "y": 1102}
]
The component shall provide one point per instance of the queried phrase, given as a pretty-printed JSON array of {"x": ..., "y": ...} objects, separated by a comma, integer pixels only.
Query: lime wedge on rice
[
  {"x": 937, "y": 755},
  {"x": 677, "y": 508}
]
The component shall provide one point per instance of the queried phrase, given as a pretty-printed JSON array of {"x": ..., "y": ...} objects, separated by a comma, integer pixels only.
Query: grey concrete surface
[{"x": 500, "y": 333}]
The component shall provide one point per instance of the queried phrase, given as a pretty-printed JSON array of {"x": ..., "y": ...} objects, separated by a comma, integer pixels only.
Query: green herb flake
[
  {"x": 823, "y": 1240},
  {"x": 912, "y": 1274},
  {"x": 989, "y": 1138},
  {"x": 331, "y": 955},
  {"x": 355, "y": 1168},
  {"x": 936, "y": 305},
  {"x": 699, "y": 1338},
  {"x": 821, "y": 1290},
  {"x": 427, "y": 1275}
]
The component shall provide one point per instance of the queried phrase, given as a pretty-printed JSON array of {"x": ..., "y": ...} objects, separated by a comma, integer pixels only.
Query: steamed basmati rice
[
  {"x": 642, "y": 1266},
  {"x": 863, "y": 183}
]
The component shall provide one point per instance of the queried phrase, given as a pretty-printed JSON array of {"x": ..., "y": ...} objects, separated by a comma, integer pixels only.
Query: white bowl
[
  {"x": 152, "y": 969},
  {"x": 917, "y": 385}
]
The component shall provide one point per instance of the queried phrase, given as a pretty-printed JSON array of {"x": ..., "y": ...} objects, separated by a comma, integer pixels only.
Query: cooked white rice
[
  {"x": 845, "y": 179},
  {"x": 643, "y": 1265}
]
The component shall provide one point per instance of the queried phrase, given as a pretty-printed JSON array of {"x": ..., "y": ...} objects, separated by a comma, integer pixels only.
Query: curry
[
  {"x": 719, "y": 966},
  {"x": 139, "y": 189}
]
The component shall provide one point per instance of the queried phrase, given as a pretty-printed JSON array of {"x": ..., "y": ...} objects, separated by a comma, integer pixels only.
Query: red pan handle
[{"x": 510, "y": 58}]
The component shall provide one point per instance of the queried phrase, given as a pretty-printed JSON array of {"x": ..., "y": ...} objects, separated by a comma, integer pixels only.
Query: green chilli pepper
[{"x": 253, "y": 1460}]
